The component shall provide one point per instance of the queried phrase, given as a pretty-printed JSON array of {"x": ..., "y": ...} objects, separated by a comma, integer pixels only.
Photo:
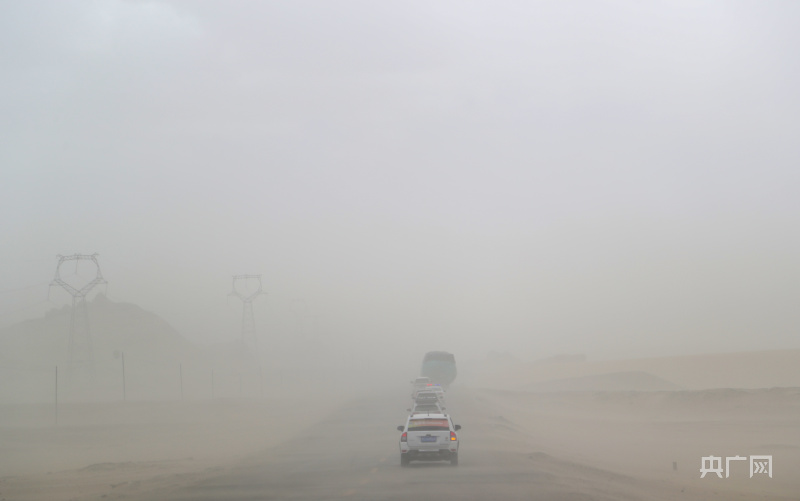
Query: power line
[
  {"x": 80, "y": 339},
  {"x": 248, "y": 319}
]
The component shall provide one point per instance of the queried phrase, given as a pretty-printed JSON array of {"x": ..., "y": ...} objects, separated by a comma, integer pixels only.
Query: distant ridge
[
  {"x": 115, "y": 327},
  {"x": 159, "y": 362},
  {"x": 755, "y": 369},
  {"x": 613, "y": 381}
]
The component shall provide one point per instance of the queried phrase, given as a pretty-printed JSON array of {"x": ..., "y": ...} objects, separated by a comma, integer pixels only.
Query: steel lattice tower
[
  {"x": 248, "y": 320},
  {"x": 81, "y": 354}
]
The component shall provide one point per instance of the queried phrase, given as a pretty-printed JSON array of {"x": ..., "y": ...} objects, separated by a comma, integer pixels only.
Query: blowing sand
[
  {"x": 568, "y": 445},
  {"x": 103, "y": 448}
]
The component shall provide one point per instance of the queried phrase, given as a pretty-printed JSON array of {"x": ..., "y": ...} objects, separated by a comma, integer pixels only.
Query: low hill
[
  {"x": 759, "y": 369},
  {"x": 159, "y": 361},
  {"x": 614, "y": 381},
  {"x": 114, "y": 327}
]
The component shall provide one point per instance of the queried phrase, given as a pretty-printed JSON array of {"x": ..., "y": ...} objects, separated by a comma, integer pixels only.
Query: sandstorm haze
[
  {"x": 592, "y": 205},
  {"x": 607, "y": 178}
]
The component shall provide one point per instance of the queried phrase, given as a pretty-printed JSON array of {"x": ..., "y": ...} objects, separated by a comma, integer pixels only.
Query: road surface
[{"x": 353, "y": 454}]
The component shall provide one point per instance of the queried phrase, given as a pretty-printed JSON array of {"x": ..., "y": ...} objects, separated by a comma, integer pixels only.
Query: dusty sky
[{"x": 610, "y": 178}]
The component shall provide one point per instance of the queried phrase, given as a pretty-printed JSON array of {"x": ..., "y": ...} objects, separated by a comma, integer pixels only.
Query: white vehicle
[
  {"x": 429, "y": 397},
  {"x": 438, "y": 390},
  {"x": 431, "y": 408},
  {"x": 419, "y": 384},
  {"x": 429, "y": 437},
  {"x": 434, "y": 387}
]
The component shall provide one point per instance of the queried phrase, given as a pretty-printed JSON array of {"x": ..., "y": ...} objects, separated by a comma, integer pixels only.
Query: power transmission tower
[
  {"x": 81, "y": 354},
  {"x": 248, "y": 320}
]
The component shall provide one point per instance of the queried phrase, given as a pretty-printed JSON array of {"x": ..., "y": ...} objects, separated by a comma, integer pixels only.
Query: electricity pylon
[
  {"x": 248, "y": 320},
  {"x": 81, "y": 354}
]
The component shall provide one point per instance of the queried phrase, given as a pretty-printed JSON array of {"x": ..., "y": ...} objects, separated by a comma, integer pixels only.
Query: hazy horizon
[{"x": 605, "y": 178}]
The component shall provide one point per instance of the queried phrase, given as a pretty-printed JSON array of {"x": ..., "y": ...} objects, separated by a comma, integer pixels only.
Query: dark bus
[{"x": 440, "y": 367}]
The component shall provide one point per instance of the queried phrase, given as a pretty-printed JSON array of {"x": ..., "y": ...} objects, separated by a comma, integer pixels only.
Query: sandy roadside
[
  {"x": 109, "y": 449},
  {"x": 659, "y": 436},
  {"x": 647, "y": 444}
]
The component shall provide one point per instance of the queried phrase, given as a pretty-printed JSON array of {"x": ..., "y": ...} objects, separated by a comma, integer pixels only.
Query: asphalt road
[{"x": 353, "y": 454}]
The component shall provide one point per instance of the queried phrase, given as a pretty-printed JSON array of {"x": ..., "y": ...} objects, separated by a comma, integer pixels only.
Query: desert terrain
[
  {"x": 515, "y": 444},
  {"x": 234, "y": 232}
]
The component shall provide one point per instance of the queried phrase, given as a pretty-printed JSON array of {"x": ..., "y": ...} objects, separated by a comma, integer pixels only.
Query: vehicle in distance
[
  {"x": 427, "y": 408},
  {"x": 419, "y": 384},
  {"x": 430, "y": 387},
  {"x": 429, "y": 437},
  {"x": 439, "y": 367},
  {"x": 429, "y": 397},
  {"x": 438, "y": 390}
]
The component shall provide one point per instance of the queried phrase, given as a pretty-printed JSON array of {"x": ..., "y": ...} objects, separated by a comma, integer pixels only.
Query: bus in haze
[{"x": 439, "y": 367}]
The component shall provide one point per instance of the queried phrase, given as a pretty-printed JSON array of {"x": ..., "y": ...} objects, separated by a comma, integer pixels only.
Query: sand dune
[
  {"x": 615, "y": 381},
  {"x": 764, "y": 369}
]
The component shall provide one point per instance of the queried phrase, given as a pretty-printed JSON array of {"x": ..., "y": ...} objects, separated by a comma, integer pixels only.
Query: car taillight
[
  {"x": 453, "y": 436},
  {"x": 404, "y": 437}
]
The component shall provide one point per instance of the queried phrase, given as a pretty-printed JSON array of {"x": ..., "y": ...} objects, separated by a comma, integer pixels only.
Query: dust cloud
[{"x": 592, "y": 205}]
